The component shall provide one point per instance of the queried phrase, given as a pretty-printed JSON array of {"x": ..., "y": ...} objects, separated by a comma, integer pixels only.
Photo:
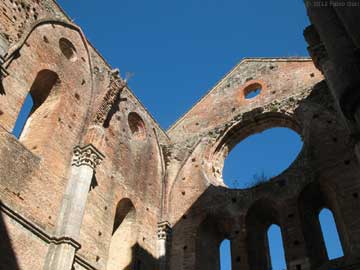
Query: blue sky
[{"x": 178, "y": 49}]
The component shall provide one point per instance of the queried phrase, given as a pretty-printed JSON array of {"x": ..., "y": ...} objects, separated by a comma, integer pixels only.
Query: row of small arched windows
[{"x": 275, "y": 243}]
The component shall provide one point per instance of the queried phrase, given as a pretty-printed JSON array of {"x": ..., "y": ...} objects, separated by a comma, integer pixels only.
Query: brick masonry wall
[
  {"x": 35, "y": 168},
  {"x": 173, "y": 176}
]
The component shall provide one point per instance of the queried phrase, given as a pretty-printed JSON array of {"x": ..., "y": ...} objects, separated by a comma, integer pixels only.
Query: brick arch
[
  {"x": 14, "y": 52},
  {"x": 39, "y": 50}
]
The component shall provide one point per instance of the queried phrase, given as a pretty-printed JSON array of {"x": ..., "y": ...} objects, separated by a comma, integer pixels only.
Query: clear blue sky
[{"x": 180, "y": 49}]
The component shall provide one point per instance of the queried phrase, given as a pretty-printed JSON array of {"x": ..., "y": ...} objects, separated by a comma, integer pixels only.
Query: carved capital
[
  {"x": 87, "y": 156},
  {"x": 316, "y": 48},
  {"x": 318, "y": 54},
  {"x": 164, "y": 230}
]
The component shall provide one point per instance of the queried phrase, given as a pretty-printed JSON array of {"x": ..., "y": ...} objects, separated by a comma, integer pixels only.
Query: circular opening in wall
[
  {"x": 252, "y": 90},
  {"x": 137, "y": 126},
  {"x": 68, "y": 49},
  {"x": 260, "y": 157}
]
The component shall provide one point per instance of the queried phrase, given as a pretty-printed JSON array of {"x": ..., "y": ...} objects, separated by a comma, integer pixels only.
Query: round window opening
[
  {"x": 68, "y": 49},
  {"x": 260, "y": 157},
  {"x": 252, "y": 91},
  {"x": 137, "y": 126}
]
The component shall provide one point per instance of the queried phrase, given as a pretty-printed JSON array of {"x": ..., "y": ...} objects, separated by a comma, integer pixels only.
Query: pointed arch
[
  {"x": 14, "y": 53},
  {"x": 124, "y": 236}
]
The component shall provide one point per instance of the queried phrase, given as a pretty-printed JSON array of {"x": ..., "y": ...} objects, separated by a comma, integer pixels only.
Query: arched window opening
[
  {"x": 124, "y": 237},
  {"x": 260, "y": 157},
  {"x": 225, "y": 255},
  {"x": 276, "y": 248},
  {"x": 330, "y": 234},
  {"x": 37, "y": 103},
  {"x": 23, "y": 116}
]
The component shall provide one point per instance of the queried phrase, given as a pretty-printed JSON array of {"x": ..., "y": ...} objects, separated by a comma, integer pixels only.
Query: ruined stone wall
[
  {"x": 45, "y": 51},
  {"x": 149, "y": 180},
  {"x": 204, "y": 211}
]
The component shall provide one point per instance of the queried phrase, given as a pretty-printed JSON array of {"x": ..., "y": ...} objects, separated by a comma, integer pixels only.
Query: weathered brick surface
[{"x": 173, "y": 176}]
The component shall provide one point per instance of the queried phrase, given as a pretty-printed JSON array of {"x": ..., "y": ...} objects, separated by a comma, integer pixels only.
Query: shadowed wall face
[
  {"x": 173, "y": 176},
  {"x": 8, "y": 258}
]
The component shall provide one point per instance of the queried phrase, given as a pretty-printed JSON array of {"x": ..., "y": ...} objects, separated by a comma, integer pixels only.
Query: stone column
[
  {"x": 61, "y": 254},
  {"x": 342, "y": 53},
  {"x": 336, "y": 82},
  {"x": 164, "y": 237}
]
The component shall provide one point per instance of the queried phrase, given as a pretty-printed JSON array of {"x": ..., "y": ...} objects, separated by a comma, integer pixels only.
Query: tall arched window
[
  {"x": 276, "y": 248},
  {"x": 37, "y": 104},
  {"x": 225, "y": 255},
  {"x": 23, "y": 115},
  {"x": 330, "y": 234},
  {"x": 124, "y": 237}
]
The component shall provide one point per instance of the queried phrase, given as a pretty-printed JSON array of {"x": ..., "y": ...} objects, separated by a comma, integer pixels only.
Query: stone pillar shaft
[
  {"x": 164, "y": 237},
  {"x": 341, "y": 52},
  {"x": 85, "y": 160}
]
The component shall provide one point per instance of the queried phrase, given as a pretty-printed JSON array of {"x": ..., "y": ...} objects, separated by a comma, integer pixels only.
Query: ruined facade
[{"x": 94, "y": 183}]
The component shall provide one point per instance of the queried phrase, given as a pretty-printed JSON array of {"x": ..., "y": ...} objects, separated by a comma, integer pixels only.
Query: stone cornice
[
  {"x": 45, "y": 236},
  {"x": 87, "y": 156},
  {"x": 39, "y": 232}
]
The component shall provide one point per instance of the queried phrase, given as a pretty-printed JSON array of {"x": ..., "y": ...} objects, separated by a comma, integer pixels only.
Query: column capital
[
  {"x": 164, "y": 230},
  {"x": 87, "y": 156},
  {"x": 316, "y": 47},
  {"x": 318, "y": 54}
]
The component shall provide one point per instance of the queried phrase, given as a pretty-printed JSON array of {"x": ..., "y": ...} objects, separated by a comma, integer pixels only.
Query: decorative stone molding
[
  {"x": 83, "y": 263},
  {"x": 318, "y": 54},
  {"x": 4, "y": 46},
  {"x": 87, "y": 156},
  {"x": 37, "y": 231},
  {"x": 164, "y": 230},
  {"x": 116, "y": 85}
]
